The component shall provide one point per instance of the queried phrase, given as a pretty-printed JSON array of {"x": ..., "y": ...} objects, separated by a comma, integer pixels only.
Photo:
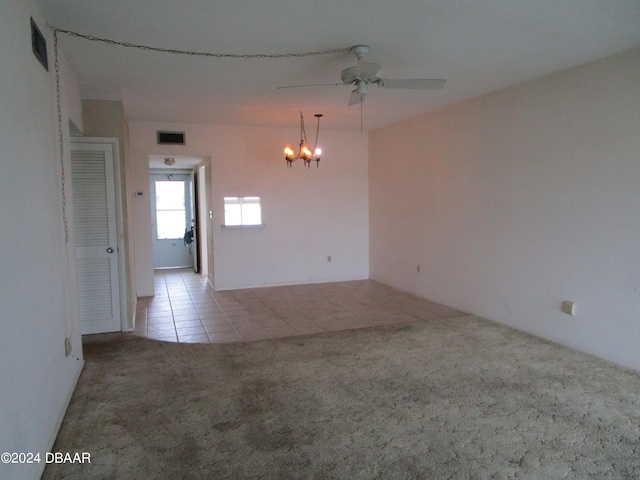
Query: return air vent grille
[{"x": 170, "y": 138}]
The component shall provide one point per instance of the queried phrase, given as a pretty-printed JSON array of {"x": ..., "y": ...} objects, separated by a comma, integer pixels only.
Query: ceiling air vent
[{"x": 170, "y": 138}]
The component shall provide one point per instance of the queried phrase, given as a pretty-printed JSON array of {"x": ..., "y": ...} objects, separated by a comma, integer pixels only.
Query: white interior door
[{"x": 94, "y": 211}]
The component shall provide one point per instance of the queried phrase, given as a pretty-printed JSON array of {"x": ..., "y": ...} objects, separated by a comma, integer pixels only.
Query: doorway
[
  {"x": 196, "y": 172},
  {"x": 173, "y": 220},
  {"x": 94, "y": 172}
]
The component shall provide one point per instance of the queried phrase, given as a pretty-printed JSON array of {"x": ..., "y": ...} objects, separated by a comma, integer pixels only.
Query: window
[
  {"x": 242, "y": 211},
  {"x": 171, "y": 213}
]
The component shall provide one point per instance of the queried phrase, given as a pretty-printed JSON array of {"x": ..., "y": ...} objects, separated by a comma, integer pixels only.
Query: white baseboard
[{"x": 56, "y": 430}]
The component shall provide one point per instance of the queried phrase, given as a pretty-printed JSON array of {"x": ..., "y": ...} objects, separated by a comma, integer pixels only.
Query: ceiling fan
[{"x": 368, "y": 73}]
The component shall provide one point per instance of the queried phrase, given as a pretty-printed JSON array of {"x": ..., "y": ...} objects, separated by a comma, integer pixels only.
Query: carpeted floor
[{"x": 457, "y": 398}]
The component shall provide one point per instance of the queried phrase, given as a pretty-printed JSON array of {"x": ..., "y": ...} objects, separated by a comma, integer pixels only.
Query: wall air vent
[
  {"x": 170, "y": 138},
  {"x": 39, "y": 45}
]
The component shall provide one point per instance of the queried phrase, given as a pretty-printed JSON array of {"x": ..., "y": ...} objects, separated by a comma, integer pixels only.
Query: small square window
[{"x": 240, "y": 211}]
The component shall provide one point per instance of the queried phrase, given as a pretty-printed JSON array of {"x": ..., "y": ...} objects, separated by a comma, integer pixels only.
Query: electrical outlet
[
  {"x": 569, "y": 307},
  {"x": 67, "y": 346},
  {"x": 328, "y": 258},
  {"x": 418, "y": 268}
]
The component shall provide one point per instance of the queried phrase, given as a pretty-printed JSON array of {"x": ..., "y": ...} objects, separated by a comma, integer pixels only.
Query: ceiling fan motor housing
[
  {"x": 349, "y": 77},
  {"x": 360, "y": 51}
]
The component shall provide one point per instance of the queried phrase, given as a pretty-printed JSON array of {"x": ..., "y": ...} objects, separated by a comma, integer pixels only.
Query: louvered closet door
[{"x": 94, "y": 214}]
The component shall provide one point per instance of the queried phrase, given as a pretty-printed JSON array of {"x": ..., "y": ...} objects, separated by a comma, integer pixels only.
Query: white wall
[
  {"x": 309, "y": 214},
  {"x": 38, "y": 306},
  {"x": 515, "y": 201},
  {"x": 104, "y": 118}
]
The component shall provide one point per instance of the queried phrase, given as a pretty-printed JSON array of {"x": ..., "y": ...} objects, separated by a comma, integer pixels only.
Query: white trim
[
  {"x": 63, "y": 412},
  {"x": 534, "y": 333},
  {"x": 259, "y": 225},
  {"x": 115, "y": 144},
  {"x": 286, "y": 284}
]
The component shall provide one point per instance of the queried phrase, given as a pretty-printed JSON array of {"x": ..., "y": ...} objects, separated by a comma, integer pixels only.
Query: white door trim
[{"x": 115, "y": 144}]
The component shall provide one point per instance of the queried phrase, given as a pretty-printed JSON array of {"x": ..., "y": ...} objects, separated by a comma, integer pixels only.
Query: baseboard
[
  {"x": 56, "y": 430},
  {"x": 126, "y": 328},
  {"x": 541, "y": 335},
  {"x": 287, "y": 284}
]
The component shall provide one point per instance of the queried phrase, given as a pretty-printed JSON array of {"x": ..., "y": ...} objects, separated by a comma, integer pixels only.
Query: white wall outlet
[{"x": 569, "y": 308}]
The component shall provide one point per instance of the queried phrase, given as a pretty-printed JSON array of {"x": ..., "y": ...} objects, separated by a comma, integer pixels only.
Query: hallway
[{"x": 186, "y": 310}]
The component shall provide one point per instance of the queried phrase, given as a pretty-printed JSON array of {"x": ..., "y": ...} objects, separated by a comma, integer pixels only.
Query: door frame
[
  {"x": 120, "y": 247},
  {"x": 205, "y": 255},
  {"x": 188, "y": 187}
]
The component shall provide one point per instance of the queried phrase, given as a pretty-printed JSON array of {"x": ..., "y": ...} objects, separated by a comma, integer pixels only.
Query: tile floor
[{"x": 185, "y": 309}]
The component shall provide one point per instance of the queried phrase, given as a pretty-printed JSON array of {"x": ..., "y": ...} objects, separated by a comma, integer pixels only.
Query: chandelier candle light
[{"x": 305, "y": 153}]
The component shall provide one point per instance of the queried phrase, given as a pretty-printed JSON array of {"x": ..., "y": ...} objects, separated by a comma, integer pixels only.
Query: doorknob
[{"x": 110, "y": 250}]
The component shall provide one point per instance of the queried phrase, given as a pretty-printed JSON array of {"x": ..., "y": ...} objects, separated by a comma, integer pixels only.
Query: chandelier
[{"x": 305, "y": 153}]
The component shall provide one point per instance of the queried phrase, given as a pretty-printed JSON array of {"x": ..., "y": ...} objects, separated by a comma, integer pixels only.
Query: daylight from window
[
  {"x": 242, "y": 211},
  {"x": 170, "y": 209}
]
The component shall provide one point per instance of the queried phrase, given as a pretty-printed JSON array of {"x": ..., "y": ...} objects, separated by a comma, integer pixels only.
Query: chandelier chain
[
  {"x": 196, "y": 53},
  {"x": 303, "y": 131},
  {"x": 63, "y": 182}
]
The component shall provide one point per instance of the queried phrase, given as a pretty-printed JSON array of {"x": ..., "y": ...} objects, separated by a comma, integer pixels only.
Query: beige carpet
[{"x": 458, "y": 398}]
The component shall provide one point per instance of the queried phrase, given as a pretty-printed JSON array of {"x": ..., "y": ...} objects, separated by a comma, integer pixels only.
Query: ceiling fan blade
[
  {"x": 311, "y": 85},
  {"x": 366, "y": 69},
  {"x": 356, "y": 97},
  {"x": 414, "y": 83}
]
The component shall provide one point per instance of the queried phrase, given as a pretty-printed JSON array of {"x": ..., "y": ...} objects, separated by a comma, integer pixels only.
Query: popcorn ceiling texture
[{"x": 451, "y": 398}]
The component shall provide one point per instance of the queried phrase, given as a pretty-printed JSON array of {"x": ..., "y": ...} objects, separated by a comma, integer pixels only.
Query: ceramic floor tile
[
  {"x": 307, "y": 328},
  {"x": 165, "y": 327},
  {"x": 258, "y": 321},
  {"x": 265, "y": 333},
  {"x": 189, "y": 330},
  {"x": 160, "y": 321},
  {"x": 159, "y": 314},
  {"x": 224, "y": 337},
  {"x": 220, "y": 328},
  {"x": 181, "y": 300},
  {"x": 166, "y": 337},
  {"x": 188, "y": 323},
  {"x": 197, "y": 338},
  {"x": 210, "y": 310},
  {"x": 180, "y": 316},
  {"x": 184, "y": 302},
  {"x": 238, "y": 312},
  {"x": 214, "y": 320}
]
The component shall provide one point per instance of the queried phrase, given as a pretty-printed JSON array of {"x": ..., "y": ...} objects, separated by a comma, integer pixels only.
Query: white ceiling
[{"x": 478, "y": 46}]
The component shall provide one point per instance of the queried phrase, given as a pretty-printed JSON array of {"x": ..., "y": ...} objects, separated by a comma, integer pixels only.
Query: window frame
[
  {"x": 173, "y": 176},
  {"x": 241, "y": 201}
]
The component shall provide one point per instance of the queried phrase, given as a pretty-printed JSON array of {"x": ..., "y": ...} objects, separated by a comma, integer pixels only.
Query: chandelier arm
[
  {"x": 303, "y": 131},
  {"x": 315, "y": 145}
]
